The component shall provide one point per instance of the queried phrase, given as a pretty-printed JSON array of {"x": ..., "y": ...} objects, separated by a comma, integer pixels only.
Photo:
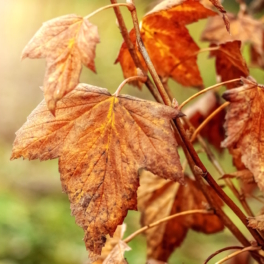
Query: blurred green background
[{"x": 36, "y": 225}]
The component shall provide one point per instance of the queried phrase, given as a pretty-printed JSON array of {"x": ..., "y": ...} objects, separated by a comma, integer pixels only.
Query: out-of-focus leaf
[
  {"x": 243, "y": 28},
  {"x": 256, "y": 222},
  {"x": 158, "y": 199}
]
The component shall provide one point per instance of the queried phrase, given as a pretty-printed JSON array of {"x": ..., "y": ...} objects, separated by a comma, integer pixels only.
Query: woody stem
[
  {"x": 130, "y": 79},
  {"x": 107, "y": 7},
  {"x": 143, "y": 229},
  {"x": 132, "y": 51},
  {"x": 206, "y": 90}
]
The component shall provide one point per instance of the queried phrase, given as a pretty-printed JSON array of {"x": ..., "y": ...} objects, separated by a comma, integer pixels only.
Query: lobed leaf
[
  {"x": 102, "y": 141},
  {"x": 244, "y": 126},
  {"x": 66, "y": 42}
]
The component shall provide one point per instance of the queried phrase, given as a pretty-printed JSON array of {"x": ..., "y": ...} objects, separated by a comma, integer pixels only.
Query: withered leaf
[
  {"x": 230, "y": 63},
  {"x": 157, "y": 199},
  {"x": 256, "y": 222},
  {"x": 244, "y": 126},
  {"x": 110, "y": 244},
  {"x": 66, "y": 42},
  {"x": 243, "y": 27},
  {"x": 101, "y": 141},
  {"x": 200, "y": 110},
  {"x": 166, "y": 37}
]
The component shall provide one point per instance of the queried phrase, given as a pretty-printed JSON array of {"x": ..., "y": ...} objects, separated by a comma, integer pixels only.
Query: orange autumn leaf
[
  {"x": 66, "y": 42},
  {"x": 102, "y": 141},
  {"x": 200, "y": 110},
  {"x": 158, "y": 199},
  {"x": 244, "y": 126},
  {"x": 230, "y": 63},
  {"x": 166, "y": 37},
  {"x": 242, "y": 27}
]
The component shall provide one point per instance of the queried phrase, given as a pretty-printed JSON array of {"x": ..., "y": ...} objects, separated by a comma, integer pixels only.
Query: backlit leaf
[
  {"x": 66, "y": 42},
  {"x": 102, "y": 141},
  {"x": 166, "y": 37},
  {"x": 244, "y": 126},
  {"x": 158, "y": 199}
]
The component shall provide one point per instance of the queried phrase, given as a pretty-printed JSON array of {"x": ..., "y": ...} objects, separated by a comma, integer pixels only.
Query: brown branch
[
  {"x": 206, "y": 90},
  {"x": 147, "y": 60},
  {"x": 143, "y": 229},
  {"x": 130, "y": 79},
  {"x": 133, "y": 53}
]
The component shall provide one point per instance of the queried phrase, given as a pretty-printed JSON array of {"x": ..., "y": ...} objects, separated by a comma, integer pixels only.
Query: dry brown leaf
[
  {"x": 244, "y": 125},
  {"x": 165, "y": 37},
  {"x": 219, "y": 6},
  {"x": 256, "y": 222},
  {"x": 200, "y": 110},
  {"x": 230, "y": 63},
  {"x": 243, "y": 27},
  {"x": 110, "y": 244},
  {"x": 101, "y": 141},
  {"x": 158, "y": 199},
  {"x": 66, "y": 42}
]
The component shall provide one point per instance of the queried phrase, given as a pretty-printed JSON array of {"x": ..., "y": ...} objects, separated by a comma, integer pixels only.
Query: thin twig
[
  {"x": 143, "y": 229},
  {"x": 220, "y": 251},
  {"x": 130, "y": 79},
  {"x": 133, "y": 53},
  {"x": 251, "y": 248},
  {"x": 207, "y": 120},
  {"x": 107, "y": 7},
  {"x": 206, "y": 90}
]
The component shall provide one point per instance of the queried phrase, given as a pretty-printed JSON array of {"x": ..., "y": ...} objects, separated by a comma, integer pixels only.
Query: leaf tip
[{"x": 51, "y": 104}]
